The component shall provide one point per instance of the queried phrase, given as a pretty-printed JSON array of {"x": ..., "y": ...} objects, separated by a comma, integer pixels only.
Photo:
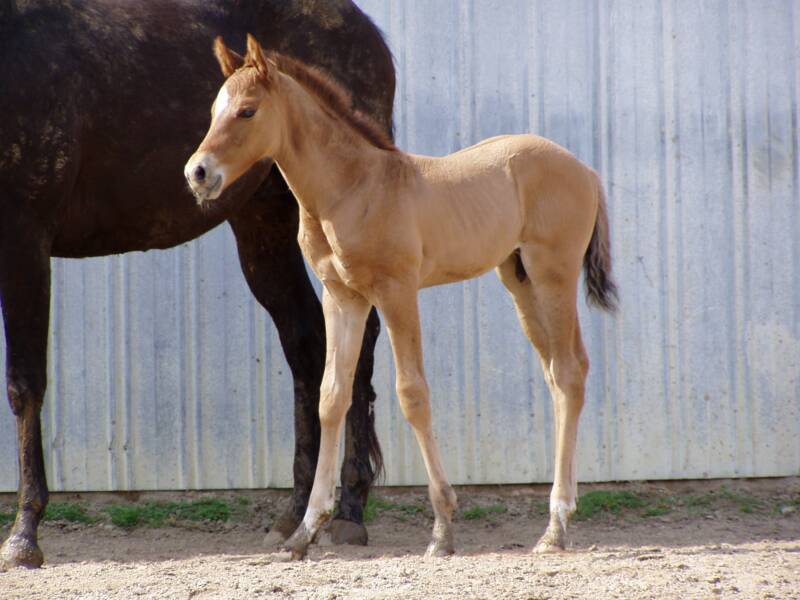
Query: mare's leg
[
  {"x": 25, "y": 297},
  {"x": 546, "y": 304},
  {"x": 363, "y": 460},
  {"x": 345, "y": 319},
  {"x": 266, "y": 237},
  {"x": 401, "y": 314}
]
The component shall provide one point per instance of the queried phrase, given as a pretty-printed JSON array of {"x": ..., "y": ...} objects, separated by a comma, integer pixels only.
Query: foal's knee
[{"x": 334, "y": 401}]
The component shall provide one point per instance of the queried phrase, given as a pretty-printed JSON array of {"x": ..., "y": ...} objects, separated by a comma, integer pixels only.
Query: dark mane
[{"x": 334, "y": 97}]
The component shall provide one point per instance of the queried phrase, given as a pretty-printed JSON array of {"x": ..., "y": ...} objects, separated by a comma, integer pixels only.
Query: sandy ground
[{"x": 717, "y": 552}]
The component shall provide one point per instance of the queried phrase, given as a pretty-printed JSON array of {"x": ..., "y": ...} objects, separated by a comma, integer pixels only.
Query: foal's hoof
[
  {"x": 342, "y": 531},
  {"x": 297, "y": 546},
  {"x": 18, "y": 551},
  {"x": 283, "y": 527},
  {"x": 440, "y": 548},
  {"x": 291, "y": 551},
  {"x": 284, "y": 556},
  {"x": 544, "y": 547},
  {"x": 552, "y": 541}
]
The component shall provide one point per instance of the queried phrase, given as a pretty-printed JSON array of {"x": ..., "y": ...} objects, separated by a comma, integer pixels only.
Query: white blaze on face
[{"x": 222, "y": 101}]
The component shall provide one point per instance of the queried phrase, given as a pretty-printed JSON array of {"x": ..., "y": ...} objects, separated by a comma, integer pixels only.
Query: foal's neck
[{"x": 321, "y": 158}]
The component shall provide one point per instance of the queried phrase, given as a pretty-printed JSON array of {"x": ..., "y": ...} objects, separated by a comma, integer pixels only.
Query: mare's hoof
[
  {"x": 283, "y": 527},
  {"x": 18, "y": 551},
  {"x": 273, "y": 539},
  {"x": 342, "y": 531},
  {"x": 440, "y": 548}
]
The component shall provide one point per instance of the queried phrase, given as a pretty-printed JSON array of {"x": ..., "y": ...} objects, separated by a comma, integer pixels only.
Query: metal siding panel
[
  {"x": 738, "y": 152},
  {"x": 795, "y": 224},
  {"x": 500, "y": 107},
  {"x": 431, "y": 101},
  {"x": 165, "y": 373},
  {"x": 167, "y": 415},
  {"x": 772, "y": 207},
  {"x": 142, "y": 444},
  {"x": 95, "y": 414}
]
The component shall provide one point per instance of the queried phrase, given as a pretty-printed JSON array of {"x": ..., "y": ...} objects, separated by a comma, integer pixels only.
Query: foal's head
[{"x": 245, "y": 124}]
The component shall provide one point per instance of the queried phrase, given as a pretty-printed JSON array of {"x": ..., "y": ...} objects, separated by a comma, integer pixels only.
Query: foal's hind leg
[
  {"x": 25, "y": 297},
  {"x": 401, "y": 314},
  {"x": 546, "y": 304}
]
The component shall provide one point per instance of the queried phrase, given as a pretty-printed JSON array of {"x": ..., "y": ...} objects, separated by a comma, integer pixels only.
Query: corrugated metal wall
[{"x": 164, "y": 373}]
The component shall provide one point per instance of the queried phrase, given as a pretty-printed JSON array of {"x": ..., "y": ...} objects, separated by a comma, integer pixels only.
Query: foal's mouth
[{"x": 208, "y": 192}]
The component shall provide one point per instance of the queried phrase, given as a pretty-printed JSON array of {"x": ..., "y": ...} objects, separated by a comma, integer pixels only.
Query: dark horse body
[{"x": 101, "y": 101}]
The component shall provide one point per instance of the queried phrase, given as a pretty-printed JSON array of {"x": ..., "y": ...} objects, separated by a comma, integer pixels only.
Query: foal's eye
[{"x": 246, "y": 113}]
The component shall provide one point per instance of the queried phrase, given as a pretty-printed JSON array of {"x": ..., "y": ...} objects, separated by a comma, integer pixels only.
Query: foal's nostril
[{"x": 199, "y": 173}]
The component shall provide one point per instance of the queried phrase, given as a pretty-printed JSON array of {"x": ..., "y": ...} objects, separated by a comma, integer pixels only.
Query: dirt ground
[{"x": 743, "y": 543}]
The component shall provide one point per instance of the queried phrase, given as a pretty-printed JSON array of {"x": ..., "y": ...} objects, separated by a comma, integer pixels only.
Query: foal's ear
[
  {"x": 257, "y": 58},
  {"x": 229, "y": 61}
]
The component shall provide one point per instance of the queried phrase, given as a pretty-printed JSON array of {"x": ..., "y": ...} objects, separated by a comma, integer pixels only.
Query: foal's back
[{"x": 474, "y": 207}]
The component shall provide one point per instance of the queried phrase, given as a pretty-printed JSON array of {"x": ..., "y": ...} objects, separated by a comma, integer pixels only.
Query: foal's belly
[
  {"x": 469, "y": 235},
  {"x": 466, "y": 262}
]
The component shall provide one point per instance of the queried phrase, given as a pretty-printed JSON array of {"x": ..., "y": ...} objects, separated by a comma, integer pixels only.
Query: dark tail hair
[
  {"x": 363, "y": 381},
  {"x": 600, "y": 287},
  {"x": 375, "y": 453}
]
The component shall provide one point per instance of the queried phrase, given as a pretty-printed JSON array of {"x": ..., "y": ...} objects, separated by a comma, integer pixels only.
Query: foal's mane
[{"x": 334, "y": 97}]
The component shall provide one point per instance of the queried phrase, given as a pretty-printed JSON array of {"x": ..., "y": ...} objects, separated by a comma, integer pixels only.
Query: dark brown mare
[{"x": 100, "y": 103}]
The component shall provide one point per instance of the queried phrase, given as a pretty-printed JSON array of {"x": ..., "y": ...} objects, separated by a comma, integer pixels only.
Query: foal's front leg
[
  {"x": 345, "y": 317},
  {"x": 266, "y": 237},
  {"x": 401, "y": 313}
]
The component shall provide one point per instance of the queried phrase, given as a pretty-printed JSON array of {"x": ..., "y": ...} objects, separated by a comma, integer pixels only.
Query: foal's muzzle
[{"x": 204, "y": 176}]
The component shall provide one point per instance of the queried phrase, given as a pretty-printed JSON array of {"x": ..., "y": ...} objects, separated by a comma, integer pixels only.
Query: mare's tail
[
  {"x": 366, "y": 395},
  {"x": 600, "y": 287}
]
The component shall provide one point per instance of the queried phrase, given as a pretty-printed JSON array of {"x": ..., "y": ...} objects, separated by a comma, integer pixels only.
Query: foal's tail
[{"x": 600, "y": 287}]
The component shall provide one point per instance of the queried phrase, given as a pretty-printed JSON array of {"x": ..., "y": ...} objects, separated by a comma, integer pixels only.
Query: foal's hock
[{"x": 378, "y": 224}]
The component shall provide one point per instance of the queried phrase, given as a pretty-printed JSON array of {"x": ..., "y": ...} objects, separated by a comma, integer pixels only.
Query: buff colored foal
[{"x": 378, "y": 224}]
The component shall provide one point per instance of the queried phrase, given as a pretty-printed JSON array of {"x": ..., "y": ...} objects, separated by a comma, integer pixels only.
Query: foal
[{"x": 377, "y": 224}]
